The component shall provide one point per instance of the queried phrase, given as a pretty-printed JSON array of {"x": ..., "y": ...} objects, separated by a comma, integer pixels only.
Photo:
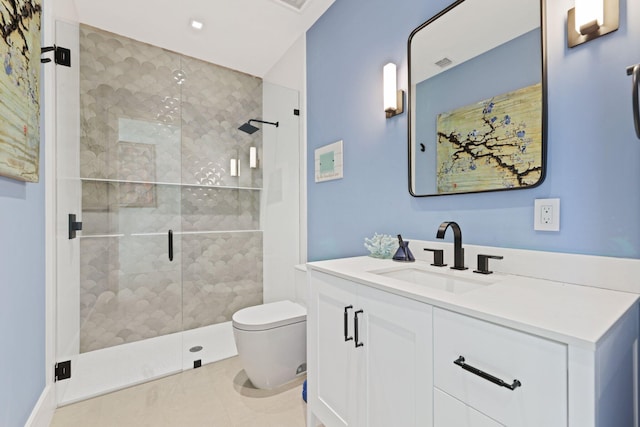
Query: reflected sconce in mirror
[
  {"x": 590, "y": 19},
  {"x": 393, "y": 98},
  {"x": 253, "y": 157},
  {"x": 234, "y": 167}
]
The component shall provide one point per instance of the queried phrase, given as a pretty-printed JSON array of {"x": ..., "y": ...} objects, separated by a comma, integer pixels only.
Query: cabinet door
[
  {"x": 395, "y": 380},
  {"x": 331, "y": 374}
]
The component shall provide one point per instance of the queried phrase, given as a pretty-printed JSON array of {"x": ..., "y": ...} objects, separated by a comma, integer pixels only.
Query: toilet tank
[{"x": 300, "y": 279}]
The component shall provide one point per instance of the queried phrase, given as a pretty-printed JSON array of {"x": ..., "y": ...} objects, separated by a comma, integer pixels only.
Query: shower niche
[{"x": 158, "y": 133}]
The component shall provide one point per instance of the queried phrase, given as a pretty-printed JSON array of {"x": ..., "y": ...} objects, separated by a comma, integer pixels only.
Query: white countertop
[{"x": 572, "y": 314}]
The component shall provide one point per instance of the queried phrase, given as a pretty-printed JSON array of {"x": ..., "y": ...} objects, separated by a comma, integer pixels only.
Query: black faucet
[{"x": 458, "y": 252}]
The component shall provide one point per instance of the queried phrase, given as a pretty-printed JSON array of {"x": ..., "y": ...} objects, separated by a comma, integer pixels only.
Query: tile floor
[{"x": 216, "y": 395}]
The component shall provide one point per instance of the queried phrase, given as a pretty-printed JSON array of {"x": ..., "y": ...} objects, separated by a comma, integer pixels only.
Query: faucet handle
[
  {"x": 438, "y": 257},
  {"x": 483, "y": 263}
]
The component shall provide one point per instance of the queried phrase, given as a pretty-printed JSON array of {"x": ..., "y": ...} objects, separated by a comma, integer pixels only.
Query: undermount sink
[{"x": 431, "y": 279}]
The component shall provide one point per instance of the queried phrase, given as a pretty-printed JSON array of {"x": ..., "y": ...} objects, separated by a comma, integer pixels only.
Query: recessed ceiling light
[{"x": 196, "y": 24}]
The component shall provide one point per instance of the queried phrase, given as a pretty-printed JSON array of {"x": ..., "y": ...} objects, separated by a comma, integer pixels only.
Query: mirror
[{"x": 477, "y": 99}]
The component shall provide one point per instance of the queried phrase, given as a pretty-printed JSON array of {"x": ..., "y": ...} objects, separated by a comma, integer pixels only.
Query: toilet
[{"x": 272, "y": 341}]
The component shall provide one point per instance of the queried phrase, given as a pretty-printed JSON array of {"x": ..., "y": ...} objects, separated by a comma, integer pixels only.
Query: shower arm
[{"x": 262, "y": 121}]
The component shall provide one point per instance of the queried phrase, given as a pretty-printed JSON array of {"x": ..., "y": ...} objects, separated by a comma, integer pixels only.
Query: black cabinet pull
[
  {"x": 355, "y": 321},
  {"x": 634, "y": 72},
  {"x": 460, "y": 362},
  {"x": 170, "y": 245},
  {"x": 346, "y": 323}
]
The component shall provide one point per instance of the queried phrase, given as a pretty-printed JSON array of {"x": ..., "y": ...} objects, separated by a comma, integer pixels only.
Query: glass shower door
[{"x": 120, "y": 318}]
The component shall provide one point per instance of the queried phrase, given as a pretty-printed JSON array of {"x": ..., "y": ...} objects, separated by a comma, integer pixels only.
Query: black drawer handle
[
  {"x": 355, "y": 321},
  {"x": 346, "y": 323},
  {"x": 170, "y": 245},
  {"x": 488, "y": 377}
]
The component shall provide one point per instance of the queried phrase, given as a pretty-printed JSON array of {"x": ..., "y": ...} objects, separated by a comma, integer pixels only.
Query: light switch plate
[{"x": 546, "y": 215}]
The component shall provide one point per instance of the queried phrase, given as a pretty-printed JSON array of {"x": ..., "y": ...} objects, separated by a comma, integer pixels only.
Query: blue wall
[
  {"x": 593, "y": 158},
  {"x": 22, "y": 298}
]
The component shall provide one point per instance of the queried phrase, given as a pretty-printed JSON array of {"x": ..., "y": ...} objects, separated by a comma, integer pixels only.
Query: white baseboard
[{"x": 42, "y": 413}]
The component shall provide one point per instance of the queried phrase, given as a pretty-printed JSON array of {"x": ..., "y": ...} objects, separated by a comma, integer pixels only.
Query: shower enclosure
[{"x": 171, "y": 242}]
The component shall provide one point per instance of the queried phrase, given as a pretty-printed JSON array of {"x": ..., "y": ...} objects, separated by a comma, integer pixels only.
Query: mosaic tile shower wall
[{"x": 158, "y": 131}]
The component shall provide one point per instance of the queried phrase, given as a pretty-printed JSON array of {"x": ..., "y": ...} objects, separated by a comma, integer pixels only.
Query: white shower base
[{"x": 106, "y": 370}]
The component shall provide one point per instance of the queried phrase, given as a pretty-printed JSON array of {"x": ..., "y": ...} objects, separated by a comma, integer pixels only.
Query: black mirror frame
[{"x": 543, "y": 46}]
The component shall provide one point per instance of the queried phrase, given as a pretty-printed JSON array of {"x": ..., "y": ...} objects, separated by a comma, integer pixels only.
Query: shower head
[
  {"x": 246, "y": 127},
  {"x": 249, "y": 128}
]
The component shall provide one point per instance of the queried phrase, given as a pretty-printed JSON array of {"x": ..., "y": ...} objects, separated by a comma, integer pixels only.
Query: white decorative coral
[{"x": 381, "y": 245}]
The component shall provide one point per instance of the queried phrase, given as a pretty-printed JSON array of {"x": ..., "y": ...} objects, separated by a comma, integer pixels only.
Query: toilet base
[{"x": 273, "y": 357}]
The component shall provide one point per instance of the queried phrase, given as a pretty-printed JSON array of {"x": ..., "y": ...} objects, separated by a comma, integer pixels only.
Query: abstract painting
[
  {"x": 492, "y": 144},
  {"x": 20, "y": 89}
]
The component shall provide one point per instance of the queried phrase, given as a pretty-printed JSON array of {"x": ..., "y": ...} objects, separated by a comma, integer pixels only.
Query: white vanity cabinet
[
  {"x": 521, "y": 352},
  {"x": 373, "y": 365}
]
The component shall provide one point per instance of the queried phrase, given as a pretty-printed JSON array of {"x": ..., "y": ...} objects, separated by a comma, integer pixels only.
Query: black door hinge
[
  {"x": 61, "y": 55},
  {"x": 74, "y": 226},
  {"x": 62, "y": 371},
  {"x": 296, "y": 112}
]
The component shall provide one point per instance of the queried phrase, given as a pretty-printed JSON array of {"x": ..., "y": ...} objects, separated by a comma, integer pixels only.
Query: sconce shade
[
  {"x": 590, "y": 19},
  {"x": 589, "y": 16},
  {"x": 393, "y": 98},
  {"x": 234, "y": 167},
  {"x": 389, "y": 72}
]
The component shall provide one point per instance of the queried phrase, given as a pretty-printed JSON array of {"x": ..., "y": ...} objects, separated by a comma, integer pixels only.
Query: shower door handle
[
  {"x": 634, "y": 72},
  {"x": 170, "y": 245}
]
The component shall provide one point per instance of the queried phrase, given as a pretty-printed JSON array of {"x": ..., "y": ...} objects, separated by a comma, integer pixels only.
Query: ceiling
[
  {"x": 441, "y": 38},
  {"x": 245, "y": 35}
]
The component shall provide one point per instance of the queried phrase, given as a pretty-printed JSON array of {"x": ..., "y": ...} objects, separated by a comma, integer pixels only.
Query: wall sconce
[
  {"x": 234, "y": 167},
  {"x": 393, "y": 98},
  {"x": 253, "y": 157},
  {"x": 590, "y": 19}
]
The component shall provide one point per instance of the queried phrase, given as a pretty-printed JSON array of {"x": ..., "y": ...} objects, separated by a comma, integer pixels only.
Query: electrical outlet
[{"x": 546, "y": 215}]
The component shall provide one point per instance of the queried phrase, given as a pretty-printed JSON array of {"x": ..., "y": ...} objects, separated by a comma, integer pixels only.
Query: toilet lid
[{"x": 269, "y": 316}]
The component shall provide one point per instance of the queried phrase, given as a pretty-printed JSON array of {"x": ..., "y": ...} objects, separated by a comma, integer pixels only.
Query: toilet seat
[{"x": 269, "y": 316}]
